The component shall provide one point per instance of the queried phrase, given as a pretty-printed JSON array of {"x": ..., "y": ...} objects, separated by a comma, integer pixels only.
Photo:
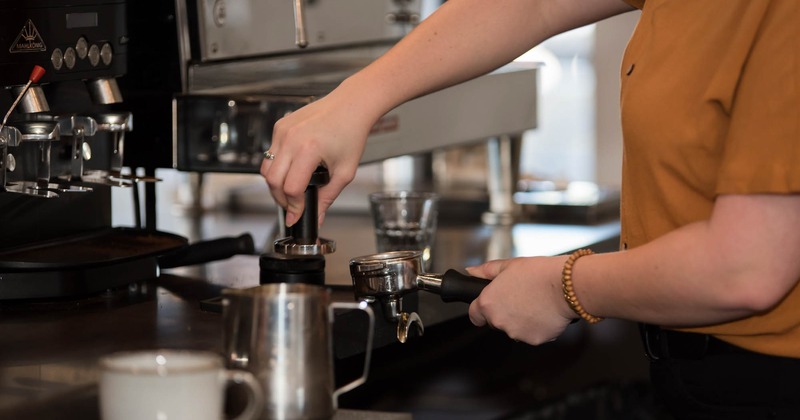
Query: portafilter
[{"x": 386, "y": 277}]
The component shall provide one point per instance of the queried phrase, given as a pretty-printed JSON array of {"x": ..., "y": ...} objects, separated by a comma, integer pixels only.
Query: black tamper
[
  {"x": 302, "y": 238},
  {"x": 300, "y": 256}
]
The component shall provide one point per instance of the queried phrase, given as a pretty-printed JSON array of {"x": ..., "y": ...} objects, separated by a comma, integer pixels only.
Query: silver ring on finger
[{"x": 269, "y": 155}]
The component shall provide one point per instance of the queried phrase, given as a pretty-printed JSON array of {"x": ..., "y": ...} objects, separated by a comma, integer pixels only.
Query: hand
[
  {"x": 524, "y": 299},
  {"x": 331, "y": 131}
]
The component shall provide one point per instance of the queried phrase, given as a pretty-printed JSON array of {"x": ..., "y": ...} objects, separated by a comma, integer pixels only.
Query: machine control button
[
  {"x": 70, "y": 57},
  {"x": 82, "y": 47},
  {"x": 57, "y": 58},
  {"x": 94, "y": 55},
  {"x": 106, "y": 54}
]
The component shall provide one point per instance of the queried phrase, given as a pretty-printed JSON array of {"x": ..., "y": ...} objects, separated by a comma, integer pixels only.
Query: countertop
[{"x": 49, "y": 350}]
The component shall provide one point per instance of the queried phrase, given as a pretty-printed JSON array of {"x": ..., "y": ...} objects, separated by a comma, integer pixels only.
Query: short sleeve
[
  {"x": 639, "y": 4},
  {"x": 762, "y": 147}
]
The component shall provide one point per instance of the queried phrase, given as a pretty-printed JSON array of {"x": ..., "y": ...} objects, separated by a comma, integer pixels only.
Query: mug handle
[
  {"x": 255, "y": 398},
  {"x": 364, "y": 306}
]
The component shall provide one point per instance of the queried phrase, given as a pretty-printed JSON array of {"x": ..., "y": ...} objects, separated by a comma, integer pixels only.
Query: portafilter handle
[{"x": 452, "y": 286}]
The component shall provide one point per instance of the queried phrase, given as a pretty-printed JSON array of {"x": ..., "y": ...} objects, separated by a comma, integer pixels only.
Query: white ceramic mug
[{"x": 171, "y": 385}]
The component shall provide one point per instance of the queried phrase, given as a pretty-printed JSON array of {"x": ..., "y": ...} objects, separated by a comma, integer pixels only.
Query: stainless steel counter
[{"x": 48, "y": 350}]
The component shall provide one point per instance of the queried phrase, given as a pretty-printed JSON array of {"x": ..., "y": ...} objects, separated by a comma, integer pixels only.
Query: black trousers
[{"x": 697, "y": 376}]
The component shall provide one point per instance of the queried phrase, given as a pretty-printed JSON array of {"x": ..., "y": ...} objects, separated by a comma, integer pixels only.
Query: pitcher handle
[
  {"x": 364, "y": 306},
  {"x": 255, "y": 396}
]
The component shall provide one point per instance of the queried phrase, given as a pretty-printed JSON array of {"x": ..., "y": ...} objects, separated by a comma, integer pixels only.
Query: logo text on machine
[{"x": 28, "y": 40}]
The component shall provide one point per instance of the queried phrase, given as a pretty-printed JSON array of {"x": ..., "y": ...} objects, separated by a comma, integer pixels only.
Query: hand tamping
[
  {"x": 299, "y": 257},
  {"x": 302, "y": 238}
]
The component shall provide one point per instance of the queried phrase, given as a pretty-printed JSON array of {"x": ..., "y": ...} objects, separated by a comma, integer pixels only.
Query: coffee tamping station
[
  {"x": 299, "y": 253},
  {"x": 204, "y": 97},
  {"x": 385, "y": 278}
]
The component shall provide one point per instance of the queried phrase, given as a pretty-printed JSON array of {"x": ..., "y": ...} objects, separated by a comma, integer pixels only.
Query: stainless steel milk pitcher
[{"x": 282, "y": 334}]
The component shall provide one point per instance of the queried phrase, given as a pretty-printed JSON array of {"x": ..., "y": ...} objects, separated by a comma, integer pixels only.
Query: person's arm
[
  {"x": 740, "y": 262},
  {"x": 463, "y": 39}
]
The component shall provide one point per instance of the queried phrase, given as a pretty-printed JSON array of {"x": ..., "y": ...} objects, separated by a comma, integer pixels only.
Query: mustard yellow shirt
[{"x": 711, "y": 105}]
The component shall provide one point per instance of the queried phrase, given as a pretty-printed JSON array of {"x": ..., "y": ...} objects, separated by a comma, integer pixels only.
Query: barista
[{"x": 710, "y": 206}]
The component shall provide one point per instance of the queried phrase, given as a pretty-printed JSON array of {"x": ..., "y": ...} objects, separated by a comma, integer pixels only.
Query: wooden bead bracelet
[{"x": 569, "y": 290}]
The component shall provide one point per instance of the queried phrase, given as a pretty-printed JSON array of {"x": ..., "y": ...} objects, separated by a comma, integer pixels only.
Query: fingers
[
  {"x": 295, "y": 185},
  {"x": 265, "y": 164},
  {"x": 488, "y": 270},
  {"x": 288, "y": 180},
  {"x": 328, "y": 193},
  {"x": 288, "y": 172},
  {"x": 313, "y": 135},
  {"x": 476, "y": 316},
  {"x": 275, "y": 172}
]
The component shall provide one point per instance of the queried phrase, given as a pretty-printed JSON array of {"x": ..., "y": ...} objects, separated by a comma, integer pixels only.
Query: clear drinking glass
[{"x": 405, "y": 221}]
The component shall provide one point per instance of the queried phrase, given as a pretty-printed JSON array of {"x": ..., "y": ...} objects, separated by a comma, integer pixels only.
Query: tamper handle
[
  {"x": 452, "y": 286},
  {"x": 305, "y": 231}
]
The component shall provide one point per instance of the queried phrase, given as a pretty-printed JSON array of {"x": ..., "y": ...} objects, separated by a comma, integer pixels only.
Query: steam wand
[{"x": 36, "y": 75}]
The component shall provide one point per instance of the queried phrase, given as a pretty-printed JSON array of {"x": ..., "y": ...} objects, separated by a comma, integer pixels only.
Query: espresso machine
[
  {"x": 63, "y": 148},
  {"x": 63, "y": 129},
  {"x": 193, "y": 85}
]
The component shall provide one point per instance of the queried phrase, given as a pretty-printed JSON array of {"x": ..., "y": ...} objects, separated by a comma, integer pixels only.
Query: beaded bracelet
[{"x": 569, "y": 291}]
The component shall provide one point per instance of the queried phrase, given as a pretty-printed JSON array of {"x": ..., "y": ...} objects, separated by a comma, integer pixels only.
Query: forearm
[
  {"x": 740, "y": 262},
  {"x": 464, "y": 39},
  {"x": 676, "y": 280}
]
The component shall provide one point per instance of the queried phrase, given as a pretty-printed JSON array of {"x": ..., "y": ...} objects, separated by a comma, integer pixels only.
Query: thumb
[
  {"x": 328, "y": 193},
  {"x": 488, "y": 270}
]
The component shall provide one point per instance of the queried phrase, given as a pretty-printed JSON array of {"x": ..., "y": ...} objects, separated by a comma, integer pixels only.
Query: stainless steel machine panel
[
  {"x": 227, "y": 130},
  {"x": 239, "y": 28}
]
